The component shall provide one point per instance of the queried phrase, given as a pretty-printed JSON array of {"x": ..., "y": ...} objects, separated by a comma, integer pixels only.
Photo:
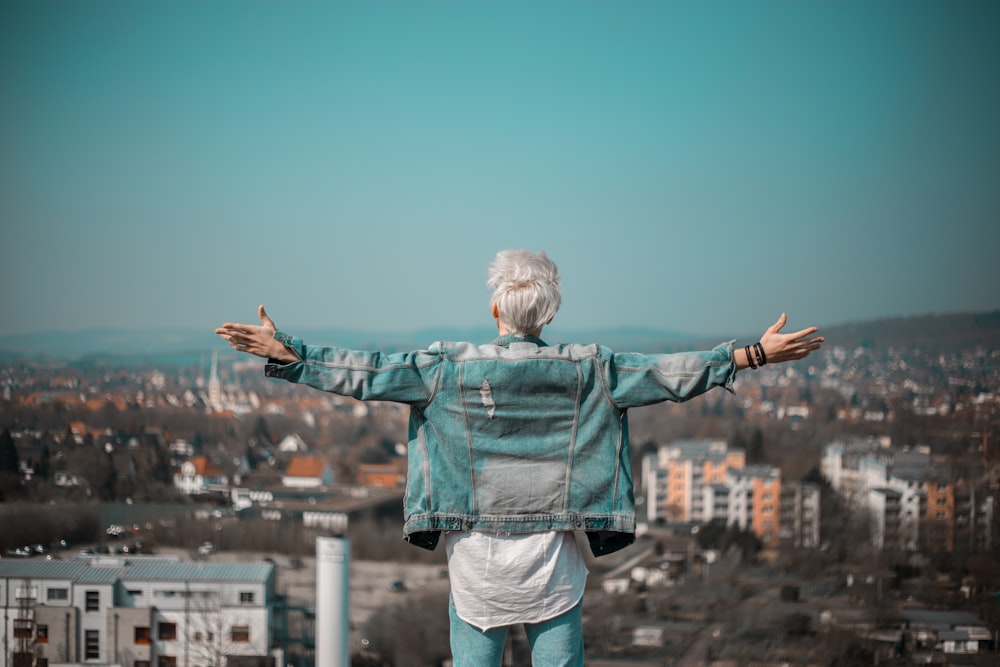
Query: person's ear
[{"x": 496, "y": 310}]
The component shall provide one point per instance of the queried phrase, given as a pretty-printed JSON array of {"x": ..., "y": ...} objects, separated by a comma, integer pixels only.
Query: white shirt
[{"x": 499, "y": 580}]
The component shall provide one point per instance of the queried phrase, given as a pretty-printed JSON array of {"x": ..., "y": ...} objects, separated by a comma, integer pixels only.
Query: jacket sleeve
[
  {"x": 368, "y": 376},
  {"x": 635, "y": 380}
]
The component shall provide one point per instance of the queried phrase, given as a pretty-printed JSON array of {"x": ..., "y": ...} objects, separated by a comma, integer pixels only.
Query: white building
[
  {"x": 755, "y": 501},
  {"x": 199, "y": 476},
  {"x": 138, "y": 612},
  {"x": 293, "y": 443},
  {"x": 912, "y": 498}
]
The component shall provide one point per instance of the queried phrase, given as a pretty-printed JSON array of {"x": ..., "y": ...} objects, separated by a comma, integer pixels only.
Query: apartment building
[
  {"x": 800, "y": 515},
  {"x": 755, "y": 501},
  {"x": 914, "y": 501},
  {"x": 677, "y": 476},
  {"x": 137, "y": 612},
  {"x": 698, "y": 481}
]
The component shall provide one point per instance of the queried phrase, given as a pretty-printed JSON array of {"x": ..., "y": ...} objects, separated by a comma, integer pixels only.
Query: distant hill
[
  {"x": 124, "y": 346},
  {"x": 948, "y": 332}
]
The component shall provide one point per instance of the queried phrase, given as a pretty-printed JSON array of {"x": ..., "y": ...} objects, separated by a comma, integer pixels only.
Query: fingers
[
  {"x": 230, "y": 329},
  {"x": 250, "y": 338},
  {"x": 797, "y": 349},
  {"x": 777, "y": 326},
  {"x": 791, "y": 346},
  {"x": 801, "y": 334},
  {"x": 239, "y": 336},
  {"x": 264, "y": 319}
]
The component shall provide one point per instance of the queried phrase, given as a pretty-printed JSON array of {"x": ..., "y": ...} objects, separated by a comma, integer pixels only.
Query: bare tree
[
  {"x": 399, "y": 641},
  {"x": 212, "y": 635},
  {"x": 25, "y": 651}
]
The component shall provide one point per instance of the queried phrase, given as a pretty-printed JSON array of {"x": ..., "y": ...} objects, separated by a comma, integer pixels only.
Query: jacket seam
[
  {"x": 571, "y": 454},
  {"x": 468, "y": 440}
]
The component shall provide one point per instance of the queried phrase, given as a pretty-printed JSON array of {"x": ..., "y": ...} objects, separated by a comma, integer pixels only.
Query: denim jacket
[{"x": 515, "y": 436}]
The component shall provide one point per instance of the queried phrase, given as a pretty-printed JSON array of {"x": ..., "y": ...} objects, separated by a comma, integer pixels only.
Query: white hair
[{"x": 526, "y": 290}]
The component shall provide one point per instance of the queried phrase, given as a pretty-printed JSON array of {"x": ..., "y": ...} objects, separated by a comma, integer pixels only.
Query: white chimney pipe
[{"x": 333, "y": 555}]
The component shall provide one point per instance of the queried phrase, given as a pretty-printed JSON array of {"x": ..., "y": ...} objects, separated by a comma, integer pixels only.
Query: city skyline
[{"x": 691, "y": 167}]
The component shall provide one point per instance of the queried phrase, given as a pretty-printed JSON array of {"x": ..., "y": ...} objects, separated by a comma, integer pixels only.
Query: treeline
[{"x": 27, "y": 523}]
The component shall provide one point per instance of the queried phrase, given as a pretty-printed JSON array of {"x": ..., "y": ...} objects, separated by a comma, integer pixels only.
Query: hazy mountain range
[{"x": 124, "y": 346}]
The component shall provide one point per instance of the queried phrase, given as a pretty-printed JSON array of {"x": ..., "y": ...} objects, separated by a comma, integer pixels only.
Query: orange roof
[
  {"x": 205, "y": 468},
  {"x": 306, "y": 466}
]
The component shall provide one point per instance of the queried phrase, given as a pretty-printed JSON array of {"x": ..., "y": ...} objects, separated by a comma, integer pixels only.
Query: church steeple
[{"x": 214, "y": 385}]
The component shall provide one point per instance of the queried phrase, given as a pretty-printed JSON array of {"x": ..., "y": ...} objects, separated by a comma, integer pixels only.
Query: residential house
[
  {"x": 307, "y": 472},
  {"x": 199, "y": 475},
  {"x": 383, "y": 474}
]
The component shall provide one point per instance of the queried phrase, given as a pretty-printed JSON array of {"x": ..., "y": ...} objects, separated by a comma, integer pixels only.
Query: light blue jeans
[{"x": 557, "y": 642}]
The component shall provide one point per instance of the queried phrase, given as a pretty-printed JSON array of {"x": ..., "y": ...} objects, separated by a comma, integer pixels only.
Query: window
[
  {"x": 22, "y": 628},
  {"x": 41, "y": 662},
  {"x": 240, "y": 633},
  {"x": 93, "y": 601},
  {"x": 92, "y": 645},
  {"x": 41, "y": 634},
  {"x": 166, "y": 661},
  {"x": 141, "y": 635},
  {"x": 29, "y": 592},
  {"x": 23, "y": 658},
  {"x": 57, "y": 594},
  {"x": 140, "y": 663},
  {"x": 168, "y": 632},
  {"x": 246, "y": 597},
  {"x": 198, "y": 636}
]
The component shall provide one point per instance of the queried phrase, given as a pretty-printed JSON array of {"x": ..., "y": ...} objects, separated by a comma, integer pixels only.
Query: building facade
[
  {"x": 913, "y": 499},
  {"x": 676, "y": 477},
  {"x": 137, "y": 612},
  {"x": 699, "y": 481}
]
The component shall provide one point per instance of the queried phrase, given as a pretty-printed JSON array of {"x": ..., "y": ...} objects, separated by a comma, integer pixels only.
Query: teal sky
[{"x": 699, "y": 167}]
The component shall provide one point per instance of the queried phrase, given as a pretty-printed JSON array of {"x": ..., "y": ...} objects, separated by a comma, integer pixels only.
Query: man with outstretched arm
[{"x": 516, "y": 445}]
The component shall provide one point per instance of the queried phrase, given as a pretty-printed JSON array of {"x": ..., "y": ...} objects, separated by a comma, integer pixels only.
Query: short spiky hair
[{"x": 526, "y": 290}]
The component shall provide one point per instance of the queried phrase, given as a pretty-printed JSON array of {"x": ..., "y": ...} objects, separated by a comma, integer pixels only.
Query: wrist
[{"x": 752, "y": 356}]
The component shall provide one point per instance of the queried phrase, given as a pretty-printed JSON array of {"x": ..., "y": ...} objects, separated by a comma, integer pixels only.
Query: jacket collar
[{"x": 507, "y": 339}]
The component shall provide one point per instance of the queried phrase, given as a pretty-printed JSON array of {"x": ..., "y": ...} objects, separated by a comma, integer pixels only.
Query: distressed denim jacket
[{"x": 515, "y": 436}]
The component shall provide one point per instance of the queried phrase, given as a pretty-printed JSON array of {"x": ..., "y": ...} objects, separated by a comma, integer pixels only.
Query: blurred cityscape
[{"x": 837, "y": 511}]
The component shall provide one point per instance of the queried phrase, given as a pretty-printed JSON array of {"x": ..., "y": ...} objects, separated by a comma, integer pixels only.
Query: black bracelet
[
  {"x": 750, "y": 361},
  {"x": 761, "y": 357}
]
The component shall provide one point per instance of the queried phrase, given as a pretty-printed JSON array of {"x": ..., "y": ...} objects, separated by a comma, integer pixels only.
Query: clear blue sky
[{"x": 699, "y": 167}]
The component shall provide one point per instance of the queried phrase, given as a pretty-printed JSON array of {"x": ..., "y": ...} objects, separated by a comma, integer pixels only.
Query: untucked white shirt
[{"x": 499, "y": 580}]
